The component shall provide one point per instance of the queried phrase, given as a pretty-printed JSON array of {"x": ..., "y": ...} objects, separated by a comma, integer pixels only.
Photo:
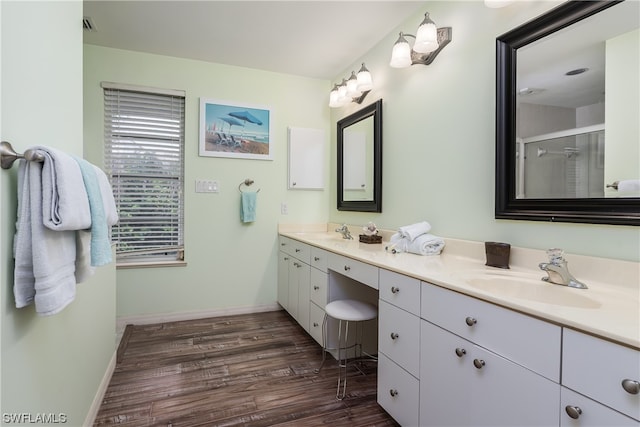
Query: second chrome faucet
[{"x": 558, "y": 271}]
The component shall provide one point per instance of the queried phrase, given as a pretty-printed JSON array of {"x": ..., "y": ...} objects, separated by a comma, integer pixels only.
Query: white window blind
[{"x": 144, "y": 158}]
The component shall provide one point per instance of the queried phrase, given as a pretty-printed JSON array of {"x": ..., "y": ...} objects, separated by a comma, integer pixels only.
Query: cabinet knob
[
  {"x": 286, "y": 258},
  {"x": 631, "y": 386},
  {"x": 282, "y": 244},
  {"x": 315, "y": 258},
  {"x": 460, "y": 352},
  {"x": 394, "y": 290},
  {"x": 394, "y": 336},
  {"x": 470, "y": 321},
  {"x": 294, "y": 183},
  {"x": 393, "y": 392},
  {"x": 315, "y": 324},
  {"x": 316, "y": 287},
  {"x": 298, "y": 250},
  {"x": 478, "y": 363},
  {"x": 347, "y": 268},
  {"x": 573, "y": 411}
]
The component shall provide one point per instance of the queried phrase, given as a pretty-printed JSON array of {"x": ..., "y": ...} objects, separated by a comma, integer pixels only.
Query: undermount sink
[{"x": 526, "y": 286}]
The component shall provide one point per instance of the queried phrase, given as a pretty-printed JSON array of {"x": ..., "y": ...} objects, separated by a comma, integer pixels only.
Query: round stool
[{"x": 346, "y": 311}]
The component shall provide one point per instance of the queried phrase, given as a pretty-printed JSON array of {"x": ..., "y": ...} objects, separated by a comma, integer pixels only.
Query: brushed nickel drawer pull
[
  {"x": 394, "y": 290},
  {"x": 573, "y": 411},
  {"x": 460, "y": 352},
  {"x": 316, "y": 287},
  {"x": 394, "y": 336},
  {"x": 298, "y": 250},
  {"x": 315, "y": 258},
  {"x": 393, "y": 392},
  {"x": 470, "y": 321},
  {"x": 478, "y": 363},
  {"x": 631, "y": 386},
  {"x": 347, "y": 268},
  {"x": 315, "y": 324}
]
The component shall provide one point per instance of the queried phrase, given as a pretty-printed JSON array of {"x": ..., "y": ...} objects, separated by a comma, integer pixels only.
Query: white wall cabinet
[{"x": 306, "y": 158}]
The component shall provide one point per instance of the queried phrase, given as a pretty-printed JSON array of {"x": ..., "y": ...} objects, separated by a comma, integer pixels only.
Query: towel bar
[
  {"x": 246, "y": 182},
  {"x": 8, "y": 155}
]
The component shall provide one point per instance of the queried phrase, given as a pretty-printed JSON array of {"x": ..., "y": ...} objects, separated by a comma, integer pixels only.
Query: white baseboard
[
  {"x": 148, "y": 319},
  {"x": 102, "y": 389}
]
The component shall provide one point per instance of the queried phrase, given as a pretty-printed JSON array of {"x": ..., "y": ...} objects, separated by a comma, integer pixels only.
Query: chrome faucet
[
  {"x": 344, "y": 230},
  {"x": 558, "y": 272}
]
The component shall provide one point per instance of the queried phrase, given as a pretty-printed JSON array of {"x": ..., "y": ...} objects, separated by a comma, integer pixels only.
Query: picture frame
[{"x": 234, "y": 130}]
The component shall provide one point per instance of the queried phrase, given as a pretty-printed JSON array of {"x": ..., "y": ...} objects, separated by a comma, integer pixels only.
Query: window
[{"x": 144, "y": 159}]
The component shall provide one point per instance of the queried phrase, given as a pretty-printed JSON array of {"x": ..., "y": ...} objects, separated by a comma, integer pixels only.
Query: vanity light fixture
[
  {"x": 429, "y": 41},
  {"x": 353, "y": 89}
]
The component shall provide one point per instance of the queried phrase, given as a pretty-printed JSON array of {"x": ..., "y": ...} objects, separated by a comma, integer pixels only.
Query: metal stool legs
[{"x": 343, "y": 347}]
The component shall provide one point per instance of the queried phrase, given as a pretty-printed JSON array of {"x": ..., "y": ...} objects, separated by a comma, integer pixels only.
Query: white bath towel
[
  {"x": 414, "y": 230},
  {"x": 425, "y": 244},
  {"x": 44, "y": 259},
  {"x": 629, "y": 186},
  {"x": 65, "y": 205}
]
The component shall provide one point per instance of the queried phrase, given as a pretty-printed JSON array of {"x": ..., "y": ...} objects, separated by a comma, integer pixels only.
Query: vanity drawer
[
  {"x": 400, "y": 290},
  {"x": 597, "y": 368},
  {"x": 319, "y": 286},
  {"x": 592, "y": 413},
  {"x": 530, "y": 342},
  {"x": 319, "y": 258},
  {"x": 316, "y": 317},
  {"x": 296, "y": 249},
  {"x": 399, "y": 336},
  {"x": 398, "y": 392},
  {"x": 359, "y": 271}
]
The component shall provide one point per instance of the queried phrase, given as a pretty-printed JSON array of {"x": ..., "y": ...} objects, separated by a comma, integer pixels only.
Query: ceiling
[{"x": 317, "y": 39}]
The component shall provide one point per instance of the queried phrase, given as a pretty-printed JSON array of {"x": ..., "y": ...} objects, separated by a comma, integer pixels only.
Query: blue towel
[
  {"x": 100, "y": 242},
  {"x": 248, "y": 206}
]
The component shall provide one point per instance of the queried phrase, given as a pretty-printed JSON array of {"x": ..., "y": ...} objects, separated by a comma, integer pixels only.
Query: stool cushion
[{"x": 351, "y": 310}]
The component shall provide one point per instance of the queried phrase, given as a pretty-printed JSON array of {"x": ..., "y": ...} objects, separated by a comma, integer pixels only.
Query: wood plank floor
[{"x": 245, "y": 370}]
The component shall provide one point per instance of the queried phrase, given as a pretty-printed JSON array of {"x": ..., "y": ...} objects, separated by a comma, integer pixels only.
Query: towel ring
[
  {"x": 246, "y": 182},
  {"x": 8, "y": 155}
]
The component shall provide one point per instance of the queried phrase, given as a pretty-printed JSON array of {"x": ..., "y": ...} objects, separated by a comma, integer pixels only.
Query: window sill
[{"x": 151, "y": 264}]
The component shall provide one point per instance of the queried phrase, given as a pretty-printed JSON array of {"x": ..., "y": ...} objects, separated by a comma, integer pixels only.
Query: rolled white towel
[
  {"x": 426, "y": 244},
  {"x": 629, "y": 186},
  {"x": 398, "y": 244},
  {"x": 414, "y": 230}
]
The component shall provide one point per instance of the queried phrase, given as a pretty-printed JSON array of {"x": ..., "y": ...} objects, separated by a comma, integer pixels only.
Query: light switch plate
[{"x": 207, "y": 186}]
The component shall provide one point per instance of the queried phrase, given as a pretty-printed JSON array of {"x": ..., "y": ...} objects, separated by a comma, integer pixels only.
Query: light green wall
[
  {"x": 230, "y": 264},
  {"x": 49, "y": 364},
  {"x": 438, "y": 154}
]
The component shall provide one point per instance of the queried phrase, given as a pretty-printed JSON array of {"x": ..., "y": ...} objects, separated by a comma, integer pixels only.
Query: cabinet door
[
  {"x": 306, "y": 159},
  {"x": 465, "y": 385},
  {"x": 304, "y": 283},
  {"x": 577, "y": 410},
  {"x": 397, "y": 392},
  {"x": 283, "y": 280},
  {"x": 292, "y": 306}
]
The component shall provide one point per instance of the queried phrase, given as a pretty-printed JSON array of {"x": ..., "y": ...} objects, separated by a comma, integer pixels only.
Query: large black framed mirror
[
  {"x": 359, "y": 155},
  {"x": 542, "y": 164}
]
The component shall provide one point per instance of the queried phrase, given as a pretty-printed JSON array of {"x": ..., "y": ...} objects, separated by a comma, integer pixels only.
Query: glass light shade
[
  {"x": 343, "y": 99},
  {"x": 365, "y": 82},
  {"x": 352, "y": 86},
  {"x": 427, "y": 36},
  {"x": 333, "y": 97},
  {"x": 401, "y": 53}
]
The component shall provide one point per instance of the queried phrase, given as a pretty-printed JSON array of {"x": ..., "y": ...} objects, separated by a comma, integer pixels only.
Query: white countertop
[{"x": 610, "y": 308}]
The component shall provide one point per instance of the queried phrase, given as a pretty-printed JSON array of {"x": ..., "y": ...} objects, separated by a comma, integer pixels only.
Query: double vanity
[{"x": 460, "y": 343}]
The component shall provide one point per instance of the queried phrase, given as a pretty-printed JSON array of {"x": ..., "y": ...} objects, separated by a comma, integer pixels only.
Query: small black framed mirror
[
  {"x": 359, "y": 158},
  {"x": 540, "y": 164}
]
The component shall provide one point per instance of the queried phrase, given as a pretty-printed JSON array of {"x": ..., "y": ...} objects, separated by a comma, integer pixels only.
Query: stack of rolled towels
[{"x": 415, "y": 238}]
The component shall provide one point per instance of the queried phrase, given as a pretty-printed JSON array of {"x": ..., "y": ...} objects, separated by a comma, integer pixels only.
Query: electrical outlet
[{"x": 284, "y": 209}]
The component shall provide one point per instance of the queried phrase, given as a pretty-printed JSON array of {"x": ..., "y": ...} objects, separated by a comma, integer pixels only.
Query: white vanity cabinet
[
  {"x": 478, "y": 364},
  {"x": 319, "y": 290},
  {"x": 399, "y": 346},
  {"x": 603, "y": 371},
  {"x": 294, "y": 285}
]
